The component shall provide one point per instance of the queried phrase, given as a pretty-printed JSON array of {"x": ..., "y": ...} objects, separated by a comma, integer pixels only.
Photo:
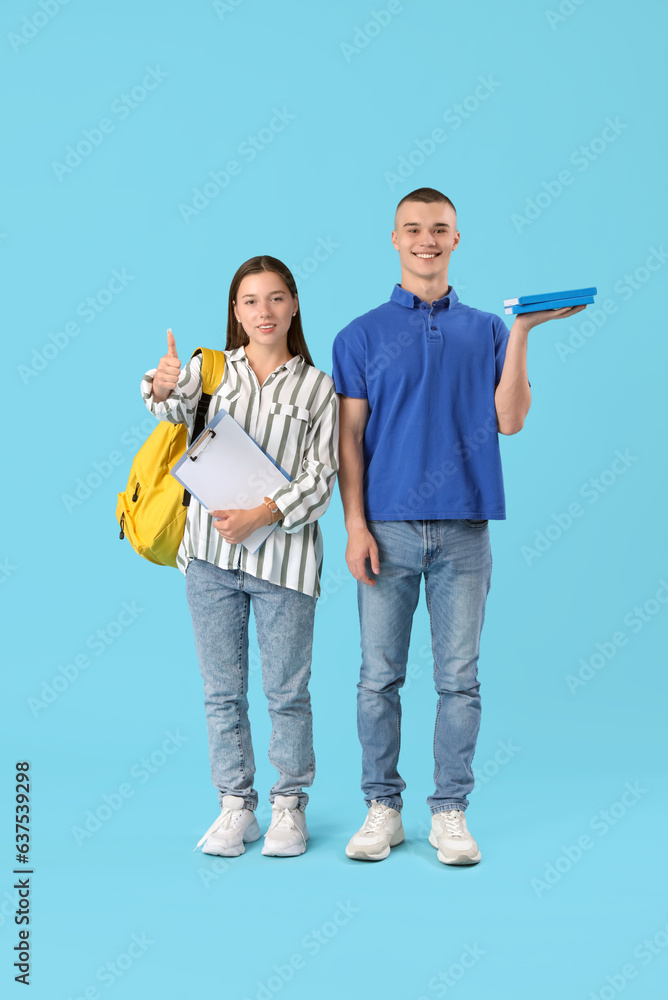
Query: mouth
[
  {"x": 267, "y": 327},
  {"x": 426, "y": 256}
]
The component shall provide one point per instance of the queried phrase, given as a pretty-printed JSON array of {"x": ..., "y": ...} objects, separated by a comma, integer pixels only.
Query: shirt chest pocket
[
  {"x": 224, "y": 398},
  {"x": 292, "y": 413},
  {"x": 287, "y": 426}
]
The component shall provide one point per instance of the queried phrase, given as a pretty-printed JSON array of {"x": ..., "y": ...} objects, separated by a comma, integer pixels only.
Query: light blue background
[{"x": 220, "y": 929}]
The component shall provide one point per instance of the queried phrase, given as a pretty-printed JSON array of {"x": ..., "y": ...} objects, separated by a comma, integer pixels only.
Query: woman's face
[{"x": 265, "y": 307}]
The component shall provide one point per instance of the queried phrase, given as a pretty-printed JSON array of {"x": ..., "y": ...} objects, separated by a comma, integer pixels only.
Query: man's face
[{"x": 425, "y": 235}]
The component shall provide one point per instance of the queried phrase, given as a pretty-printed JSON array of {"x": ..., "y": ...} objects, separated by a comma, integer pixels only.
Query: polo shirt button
[{"x": 434, "y": 328}]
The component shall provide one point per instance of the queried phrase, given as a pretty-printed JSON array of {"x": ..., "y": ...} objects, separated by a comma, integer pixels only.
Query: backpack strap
[{"x": 213, "y": 366}]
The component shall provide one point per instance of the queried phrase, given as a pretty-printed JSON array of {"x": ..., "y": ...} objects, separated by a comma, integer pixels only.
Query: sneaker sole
[
  {"x": 225, "y": 852},
  {"x": 278, "y": 853},
  {"x": 236, "y": 850},
  {"x": 455, "y": 859},
  {"x": 358, "y": 854},
  {"x": 460, "y": 859}
]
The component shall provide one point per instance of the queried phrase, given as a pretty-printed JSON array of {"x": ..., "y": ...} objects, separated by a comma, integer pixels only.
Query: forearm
[
  {"x": 306, "y": 498},
  {"x": 351, "y": 479},
  {"x": 256, "y": 517},
  {"x": 361, "y": 550},
  {"x": 512, "y": 398}
]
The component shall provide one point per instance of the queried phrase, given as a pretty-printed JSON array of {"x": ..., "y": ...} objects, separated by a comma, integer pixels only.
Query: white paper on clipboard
[{"x": 225, "y": 469}]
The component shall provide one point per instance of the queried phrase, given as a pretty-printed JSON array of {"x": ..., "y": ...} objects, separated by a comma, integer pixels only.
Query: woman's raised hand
[{"x": 168, "y": 372}]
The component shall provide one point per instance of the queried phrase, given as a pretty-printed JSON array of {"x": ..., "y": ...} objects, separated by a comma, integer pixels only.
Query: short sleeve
[{"x": 349, "y": 365}]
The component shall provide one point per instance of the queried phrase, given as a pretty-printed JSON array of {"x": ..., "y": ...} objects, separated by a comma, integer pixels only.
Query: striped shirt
[{"x": 294, "y": 417}]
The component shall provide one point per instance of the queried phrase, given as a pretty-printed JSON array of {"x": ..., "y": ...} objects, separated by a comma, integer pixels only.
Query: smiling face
[
  {"x": 265, "y": 307},
  {"x": 425, "y": 235}
]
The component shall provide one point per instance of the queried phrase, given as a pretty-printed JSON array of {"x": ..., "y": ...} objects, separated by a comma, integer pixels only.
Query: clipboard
[{"x": 225, "y": 469}]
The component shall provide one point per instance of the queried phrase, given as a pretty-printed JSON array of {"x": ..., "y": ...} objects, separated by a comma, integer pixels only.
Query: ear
[
  {"x": 395, "y": 239},
  {"x": 295, "y": 304}
]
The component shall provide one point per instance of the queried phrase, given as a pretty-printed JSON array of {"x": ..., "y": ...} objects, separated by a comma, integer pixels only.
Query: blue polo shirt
[{"x": 429, "y": 372}]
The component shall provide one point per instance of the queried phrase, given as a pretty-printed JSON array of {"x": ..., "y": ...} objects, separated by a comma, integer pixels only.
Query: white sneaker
[
  {"x": 382, "y": 829},
  {"x": 234, "y": 827},
  {"x": 450, "y": 835},
  {"x": 287, "y": 833}
]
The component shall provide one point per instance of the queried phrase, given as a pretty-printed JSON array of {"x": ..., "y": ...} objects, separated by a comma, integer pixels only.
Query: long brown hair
[{"x": 236, "y": 335}]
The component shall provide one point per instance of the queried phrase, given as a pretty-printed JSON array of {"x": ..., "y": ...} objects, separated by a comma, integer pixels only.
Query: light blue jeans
[
  {"x": 455, "y": 558},
  {"x": 220, "y": 602}
]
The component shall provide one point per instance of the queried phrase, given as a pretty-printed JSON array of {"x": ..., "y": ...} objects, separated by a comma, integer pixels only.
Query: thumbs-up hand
[{"x": 168, "y": 372}]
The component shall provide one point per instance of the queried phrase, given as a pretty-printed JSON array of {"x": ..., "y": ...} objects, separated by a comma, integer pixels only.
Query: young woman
[{"x": 271, "y": 387}]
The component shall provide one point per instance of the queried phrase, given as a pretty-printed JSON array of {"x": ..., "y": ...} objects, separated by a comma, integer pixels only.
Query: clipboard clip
[{"x": 200, "y": 443}]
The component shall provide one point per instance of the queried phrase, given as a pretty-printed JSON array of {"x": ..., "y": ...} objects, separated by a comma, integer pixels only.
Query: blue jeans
[
  {"x": 220, "y": 601},
  {"x": 455, "y": 558}
]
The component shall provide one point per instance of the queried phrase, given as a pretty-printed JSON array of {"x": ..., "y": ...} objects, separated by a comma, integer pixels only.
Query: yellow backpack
[{"x": 152, "y": 510}]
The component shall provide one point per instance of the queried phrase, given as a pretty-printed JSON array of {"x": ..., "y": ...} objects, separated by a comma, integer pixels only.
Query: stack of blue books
[{"x": 550, "y": 300}]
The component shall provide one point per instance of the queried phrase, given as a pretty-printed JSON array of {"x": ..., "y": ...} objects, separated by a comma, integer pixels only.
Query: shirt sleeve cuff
[{"x": 162, "y": 410}]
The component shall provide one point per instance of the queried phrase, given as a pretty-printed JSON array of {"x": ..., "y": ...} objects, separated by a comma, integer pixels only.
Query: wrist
[
  {"x": 522, "y": 326},
  {"x": 357, "y": 523},
  {"x": 263, "y": 516},
  {"x": 271, "y": 511}
]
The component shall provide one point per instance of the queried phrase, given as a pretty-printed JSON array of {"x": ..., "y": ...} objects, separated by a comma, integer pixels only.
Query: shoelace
[
  {"x": 453, "y": 821},
  {"x": 226, "y": 820},
  {"x": 375, "y": 819},
  {"x": 281, "y": 815}
]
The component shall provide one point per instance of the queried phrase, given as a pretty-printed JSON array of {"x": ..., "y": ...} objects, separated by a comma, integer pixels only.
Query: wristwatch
[{"x": 276, "y": 514}]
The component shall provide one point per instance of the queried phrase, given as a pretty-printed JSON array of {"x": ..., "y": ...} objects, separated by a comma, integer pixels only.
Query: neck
[
  {"x": 428, "y": 289},
  {"x": 266, "y": 359}
]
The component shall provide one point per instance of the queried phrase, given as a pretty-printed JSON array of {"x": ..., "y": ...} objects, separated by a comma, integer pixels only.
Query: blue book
[
  {"x": 577, "y": 300},
  {"x": 546, "y": 296}
]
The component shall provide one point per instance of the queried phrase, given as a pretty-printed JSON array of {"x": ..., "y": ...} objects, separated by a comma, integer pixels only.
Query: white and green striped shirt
[{"x": 294, "y": 417}]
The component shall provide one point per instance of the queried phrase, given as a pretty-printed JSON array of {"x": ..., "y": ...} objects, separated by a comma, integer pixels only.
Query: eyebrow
[
  {"x": 437, "y": 225},
  {"x": 277, "y": 291}
]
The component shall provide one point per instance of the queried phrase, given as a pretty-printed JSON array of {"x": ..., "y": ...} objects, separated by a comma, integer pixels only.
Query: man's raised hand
[
  {"x": 531, "y": 319},
  {"x": 168, "y": 372}
]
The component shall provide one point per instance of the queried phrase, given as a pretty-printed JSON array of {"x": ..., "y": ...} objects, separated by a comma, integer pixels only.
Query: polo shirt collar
[
  {"x": 239, "y": 354},
  {"x": 405, "y": 298}
]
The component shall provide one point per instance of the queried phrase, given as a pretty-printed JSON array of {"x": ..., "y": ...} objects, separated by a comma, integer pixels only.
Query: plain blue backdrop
[{"x": 546, "y": 127}]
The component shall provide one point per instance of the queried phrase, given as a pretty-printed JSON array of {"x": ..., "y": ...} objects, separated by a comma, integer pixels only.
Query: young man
[{"x": 425, "y": 384}]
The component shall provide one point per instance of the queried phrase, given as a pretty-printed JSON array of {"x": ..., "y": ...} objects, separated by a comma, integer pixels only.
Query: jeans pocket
[{"x": 476, "y": 524}]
